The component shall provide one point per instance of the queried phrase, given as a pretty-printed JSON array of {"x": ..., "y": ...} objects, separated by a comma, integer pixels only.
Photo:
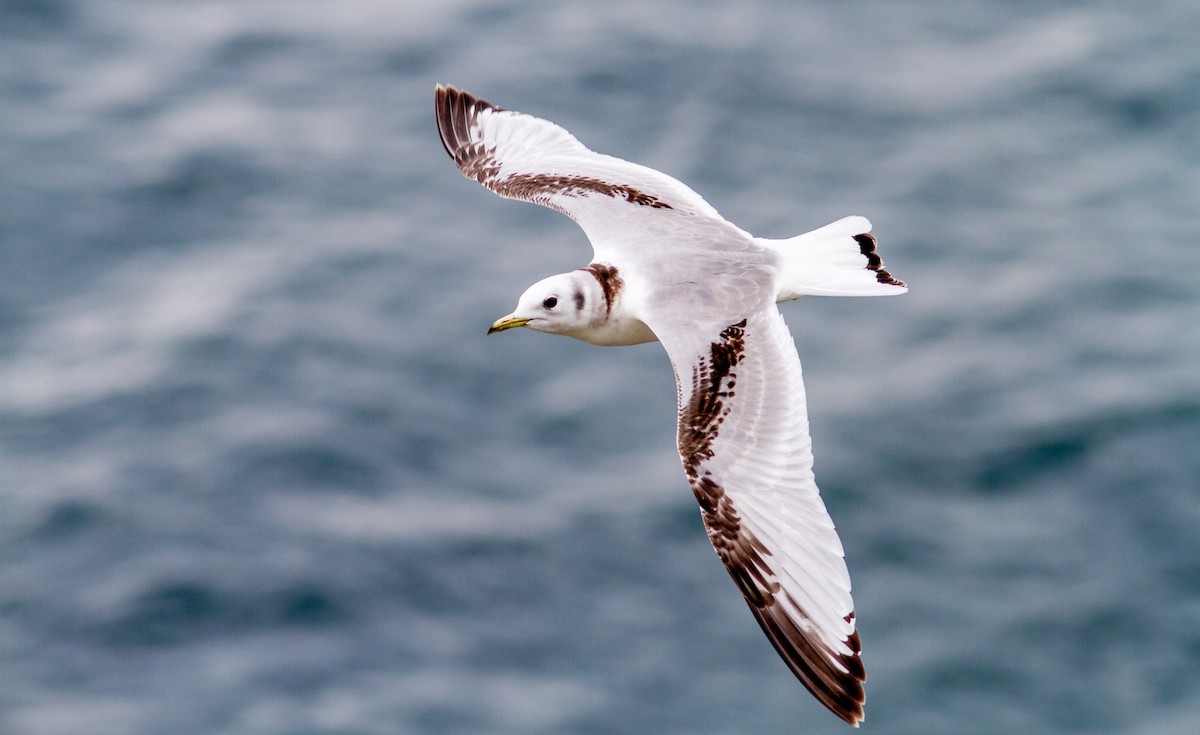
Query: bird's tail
[{"x": 838, "y": 259}]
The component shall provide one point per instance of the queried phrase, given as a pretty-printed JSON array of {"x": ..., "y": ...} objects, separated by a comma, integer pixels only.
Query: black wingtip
[
  {"x": 814, "y": 665},
  {"x": 444, "y": 99},
  {"x": 866, "y": 244},
  {"x": 456, "y": 111}
]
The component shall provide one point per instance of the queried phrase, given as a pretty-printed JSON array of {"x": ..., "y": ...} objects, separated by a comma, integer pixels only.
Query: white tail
[{"x": 838, "y": 259}]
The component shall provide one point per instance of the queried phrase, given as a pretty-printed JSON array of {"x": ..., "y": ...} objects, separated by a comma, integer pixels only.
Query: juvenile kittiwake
[{"x": 667, "y": 267}]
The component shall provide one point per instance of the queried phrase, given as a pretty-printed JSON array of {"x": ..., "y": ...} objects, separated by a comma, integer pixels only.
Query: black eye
[{"x": 550, "y": 302}]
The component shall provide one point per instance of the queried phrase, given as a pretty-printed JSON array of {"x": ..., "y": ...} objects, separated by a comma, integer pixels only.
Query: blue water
[{"x": 262, "y": 472}]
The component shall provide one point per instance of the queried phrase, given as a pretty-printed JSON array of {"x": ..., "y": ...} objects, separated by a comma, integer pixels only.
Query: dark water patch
[
  {"x": 433, "y": 717},
  {"x": 152, "y": 408},
  {"x": 1070, "y": 446},
  {"x": 996, "y": 679},
  {"x": 601, "y": 81},
  {"x": 1157, "y": 105},
  {"x": 415, "y": 59},
  {"x": 65, "y": 427},
  {"x": 501, "y": 584},
  {"x": 201, "y": 194},
  {"x": 491, "y": 15},
  {"x": 22, "y": 17},
  {"x": 1184, "y": 576},
  {"x": 1177, "y": 414},
  {"x": 300, "y": 466},
  {"x": 369, "y": 415},
  {"x": 679, "y": 522},
  {"x": 489, "y": 547},
  {"x": 520, "y": 646},
  {"x": 215, "y": 178},
  {"x": 172, "y": 613},
  {"x": 336, "y": 272},
  {"x": 67, "y": 520},
  {"x": 1142, "y": 112},
  {"x": 173, "y": 405},
  {"x": 438, "y": 578},
  {"x": 283, "y": 66},
  {"x": 178, "y": 612},
  {"x": 1030, "y": 320},
  {"x": 203, "y": 362},
  {"x": 1082, "y": 637},
  {"x": 237, "y": 53},
  {"x": 306, "y": 605},
  {"x": 562, "y": 432},
  {"x": 903, "y": 550},
  {"x": 1101, "y": 636},
  {"x": 1014, "y": 467},
  {"x": 934, "y": 329},
  {"x": 954, "y": 190},
  {"x": 1125, "y": 292},
  {"x": 422, "y": 452},
  {"x": 1189, "y": 652}
]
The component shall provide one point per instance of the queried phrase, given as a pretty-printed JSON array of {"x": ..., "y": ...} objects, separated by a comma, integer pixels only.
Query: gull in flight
[{"x": 667, "y": 267}]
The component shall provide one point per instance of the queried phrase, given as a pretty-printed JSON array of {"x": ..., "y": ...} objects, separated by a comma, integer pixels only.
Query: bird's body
[{"x": 668, "y": 267}]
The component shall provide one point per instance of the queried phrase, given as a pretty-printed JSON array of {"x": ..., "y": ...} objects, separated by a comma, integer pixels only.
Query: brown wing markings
[
  {"x": 457, "y": 118},
  {"x": 837, "y": 685}
]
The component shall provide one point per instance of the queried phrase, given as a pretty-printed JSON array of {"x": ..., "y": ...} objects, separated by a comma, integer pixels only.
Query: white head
[{"x": 569, "y": 303}]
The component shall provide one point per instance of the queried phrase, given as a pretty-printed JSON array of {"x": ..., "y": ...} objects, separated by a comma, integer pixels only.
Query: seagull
[{"x": 668, "y": 268}]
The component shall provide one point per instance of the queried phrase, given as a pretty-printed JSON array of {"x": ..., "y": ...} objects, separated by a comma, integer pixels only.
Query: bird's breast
[{"x": 618, "y": 331}]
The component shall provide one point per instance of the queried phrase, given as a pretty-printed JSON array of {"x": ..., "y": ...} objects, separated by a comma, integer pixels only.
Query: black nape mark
[{"x": 609, "y": 280}]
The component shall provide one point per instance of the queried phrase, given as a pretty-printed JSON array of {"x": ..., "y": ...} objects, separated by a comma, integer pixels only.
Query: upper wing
[
  {"x": 746, "y": 450},
  {"x": 620, "y": 205}
]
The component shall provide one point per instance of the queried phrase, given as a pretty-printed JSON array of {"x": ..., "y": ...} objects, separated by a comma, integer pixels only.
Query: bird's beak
[{"x": 507, "y": 322}]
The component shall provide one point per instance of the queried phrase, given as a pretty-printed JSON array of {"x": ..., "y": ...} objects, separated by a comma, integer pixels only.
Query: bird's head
[{"x": 562, "y": 304}]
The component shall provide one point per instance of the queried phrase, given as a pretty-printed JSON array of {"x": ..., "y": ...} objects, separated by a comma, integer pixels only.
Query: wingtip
[
  {"x": 443, "y": 106},
  {"x": 456, "y": 110},
  {"x": 442, "y": 94},
  {"x": 835, "y": 679},
  {"x": 867, "y": 245}
]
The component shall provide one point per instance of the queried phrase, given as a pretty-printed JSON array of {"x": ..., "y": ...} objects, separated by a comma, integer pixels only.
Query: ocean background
[{"x": 261, "y": 471}]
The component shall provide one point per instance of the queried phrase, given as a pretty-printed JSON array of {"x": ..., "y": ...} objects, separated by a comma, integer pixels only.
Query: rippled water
[{"x": 261, "y": 471}]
